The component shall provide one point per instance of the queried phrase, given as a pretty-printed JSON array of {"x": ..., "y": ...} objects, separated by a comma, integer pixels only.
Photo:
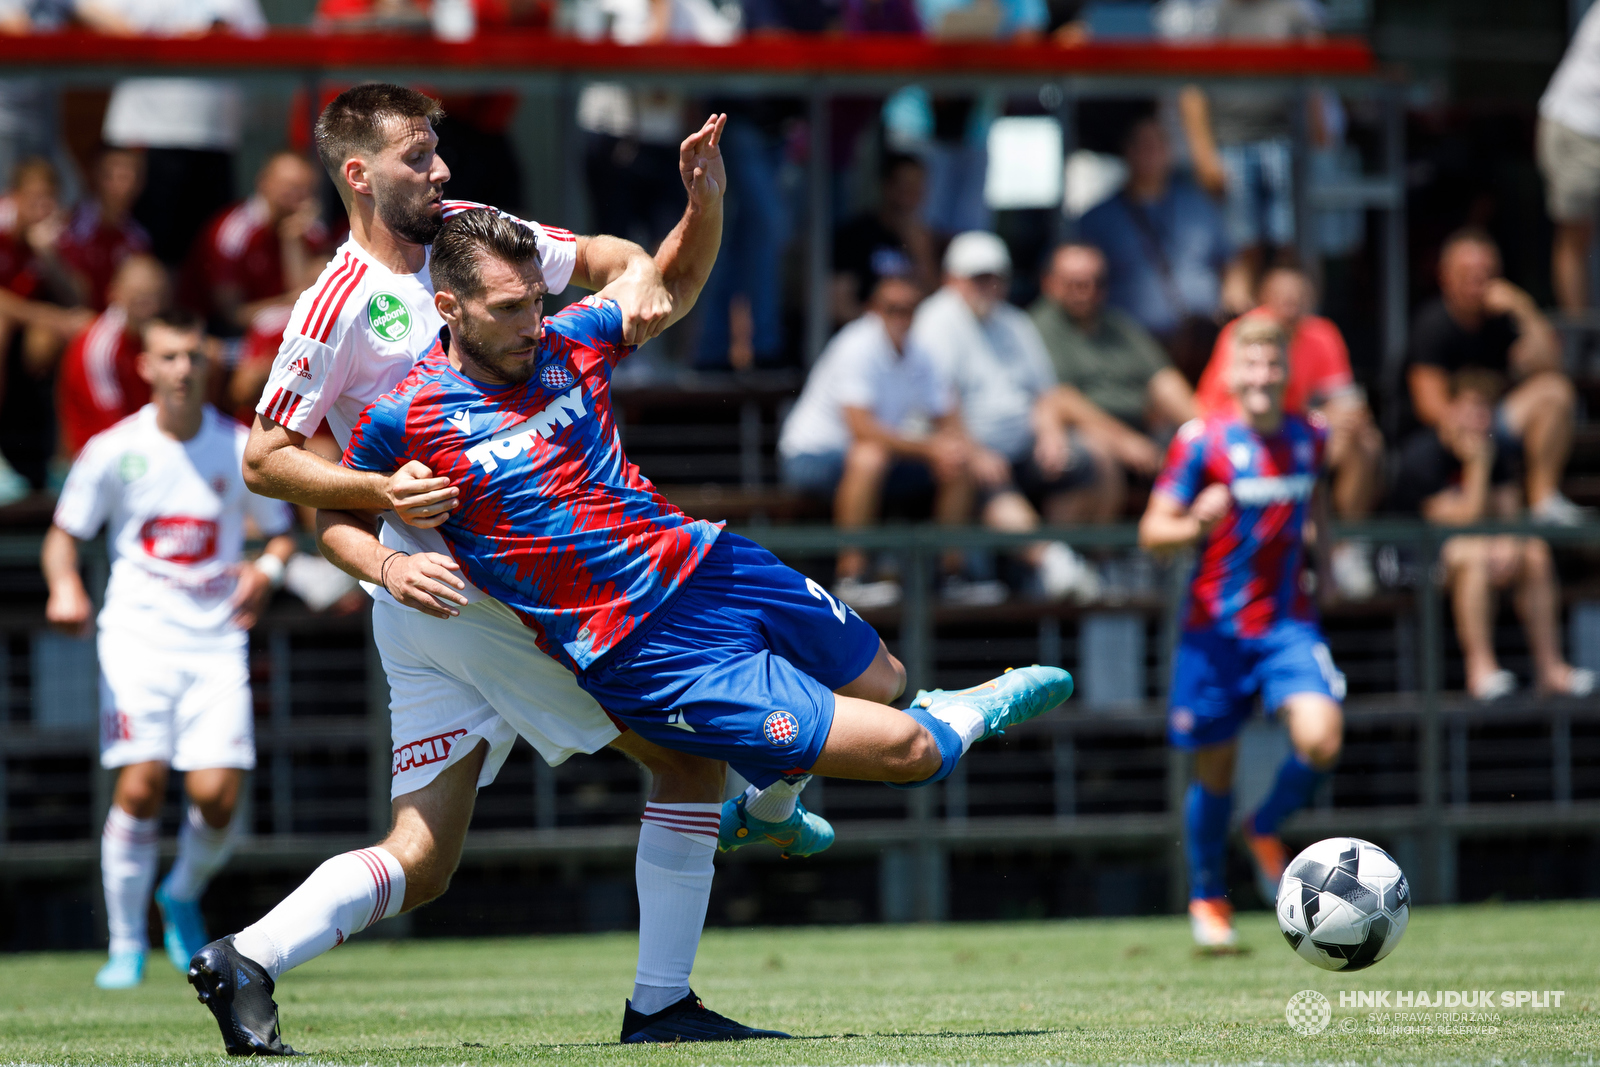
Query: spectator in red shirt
[
  {"x": 101, "y": 232},
  {"x": 253, "y": 254},
  {"x": 1319, "y": 380},
  {"x": 99, "y": 384}
]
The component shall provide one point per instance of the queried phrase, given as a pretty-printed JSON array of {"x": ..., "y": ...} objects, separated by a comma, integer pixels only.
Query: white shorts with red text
[{"x": 190, "y": 710}]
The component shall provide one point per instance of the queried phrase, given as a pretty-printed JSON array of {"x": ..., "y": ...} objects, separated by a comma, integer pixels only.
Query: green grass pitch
[{"x": 1092, "y": 991}]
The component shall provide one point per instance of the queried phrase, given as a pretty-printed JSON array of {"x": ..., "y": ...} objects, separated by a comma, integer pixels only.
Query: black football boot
[{"x": 239, "y": 993}]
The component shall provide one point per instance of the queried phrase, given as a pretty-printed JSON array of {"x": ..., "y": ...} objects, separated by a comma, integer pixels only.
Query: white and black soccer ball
[{"x": 1343, "y": 904}]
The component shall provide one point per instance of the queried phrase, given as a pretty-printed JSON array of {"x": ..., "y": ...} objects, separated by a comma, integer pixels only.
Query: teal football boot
[
  {"x": 123, "y": 970},
  {"x": 1020, "y": 694},
  {"x": 183, "y": 928},
  {"x": 801, "y": 834}
]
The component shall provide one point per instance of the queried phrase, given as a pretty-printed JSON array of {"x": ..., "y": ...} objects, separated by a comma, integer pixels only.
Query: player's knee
[{"x": 680, "y": 778}]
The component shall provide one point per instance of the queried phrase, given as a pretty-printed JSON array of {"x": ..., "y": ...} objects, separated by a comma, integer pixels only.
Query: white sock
[
  {"x": 963, "y": 720},
  {"x": 673, "y": 872},
  {"x": 344, "y": 896},
  {"x": 128, "y": 870},
  {"x": 203, "y": 850},
  {"x": 776, "y": 802}
]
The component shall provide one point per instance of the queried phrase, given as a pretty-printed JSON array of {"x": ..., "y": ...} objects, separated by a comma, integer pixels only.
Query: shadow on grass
[{"x": 574, "y": 1045}]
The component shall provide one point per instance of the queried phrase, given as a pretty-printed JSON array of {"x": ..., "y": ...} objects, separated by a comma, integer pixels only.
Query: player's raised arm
[
  {"x": 688, "y": 253},
  {"x": 631, "y": 278}
]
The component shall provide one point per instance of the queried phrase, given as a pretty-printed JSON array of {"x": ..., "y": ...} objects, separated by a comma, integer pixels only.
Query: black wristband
[{"x": 383, "y": 571}]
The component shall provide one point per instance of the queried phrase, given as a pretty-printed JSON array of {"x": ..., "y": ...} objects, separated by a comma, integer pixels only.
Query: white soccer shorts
[
  {"x": 190, "y": 710},
  {"x": 478, "y": 675}
]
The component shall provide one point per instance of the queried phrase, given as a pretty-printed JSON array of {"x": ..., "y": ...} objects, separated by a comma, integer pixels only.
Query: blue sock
[
  {"x": 1291, "y": 791},
  {"x": 949, "y": 743},
  {"x": 1205, "y": 840}
]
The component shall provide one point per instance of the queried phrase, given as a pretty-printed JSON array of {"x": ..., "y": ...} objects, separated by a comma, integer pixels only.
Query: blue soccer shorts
[
  {"x": 1216, "y": 678},
  {"x": 740, "y": 666}
]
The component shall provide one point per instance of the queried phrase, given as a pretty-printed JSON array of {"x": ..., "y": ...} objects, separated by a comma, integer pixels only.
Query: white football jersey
[
  {"x": 176, "y": 512},
  {"x": 356, "y": 334}
]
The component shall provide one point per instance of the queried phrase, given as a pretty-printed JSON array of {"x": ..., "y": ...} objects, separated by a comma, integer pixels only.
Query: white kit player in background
[
  {"x": 174, "y": 683},
  {"x": 465, "y": 676}
]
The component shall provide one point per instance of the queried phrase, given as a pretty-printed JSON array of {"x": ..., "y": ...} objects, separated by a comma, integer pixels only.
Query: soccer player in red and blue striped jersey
[{"x": 1241, "y": 488}]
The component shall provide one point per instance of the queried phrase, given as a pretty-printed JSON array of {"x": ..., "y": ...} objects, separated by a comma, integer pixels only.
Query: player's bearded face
[
  {"x": 408, "y": 183},
  {"x": 500, "y": 330}
]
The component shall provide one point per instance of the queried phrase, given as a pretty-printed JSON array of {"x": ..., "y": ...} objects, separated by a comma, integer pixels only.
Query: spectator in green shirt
[{"x": 1119, "y": 389}]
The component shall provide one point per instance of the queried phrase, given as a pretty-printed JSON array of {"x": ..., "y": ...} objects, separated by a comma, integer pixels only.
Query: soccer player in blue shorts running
[
  {"x": 698, "y": 639},
  {"x": 1241, "y": 488}
]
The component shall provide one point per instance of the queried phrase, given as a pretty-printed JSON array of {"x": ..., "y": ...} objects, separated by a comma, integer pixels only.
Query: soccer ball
[{"x": 1343, "y": 904}]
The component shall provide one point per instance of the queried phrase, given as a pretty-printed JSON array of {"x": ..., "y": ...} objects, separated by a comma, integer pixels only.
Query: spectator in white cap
[{"x": 1025, "y": 460}]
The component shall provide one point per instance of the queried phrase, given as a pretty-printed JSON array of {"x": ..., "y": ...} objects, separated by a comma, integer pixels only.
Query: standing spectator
[
  {"x": 189, "y": 127},
  {"x": 99, "y": 384},
  {"x": 877, "y": 421},
  {"x": 1320, "y": 380},
  {"x": 1026, "y": 459},
  {"x": 1482, "y": 320},
  {"x": 1165, "y": 250},
  {"x": 1241, "y": 141},
  {"x": 891, "y": 241},
  {"x": 102, "y": 232},
  {"x": 253, "y": 254},
  {"x": 1453, "y": 474},
  {"x": 1127, "y": 393},
  {"x": 1569, "y": 157}
]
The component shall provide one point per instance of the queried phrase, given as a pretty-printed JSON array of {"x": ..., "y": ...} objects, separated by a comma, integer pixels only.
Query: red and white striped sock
[
  {"x": 128, "y": 872},
  {"x": 342, "y": 897},
  {"x": 673, "y": 871}
]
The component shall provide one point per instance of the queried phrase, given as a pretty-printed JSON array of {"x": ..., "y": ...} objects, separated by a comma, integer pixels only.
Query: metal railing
[{"x": 1421, "y": 770}]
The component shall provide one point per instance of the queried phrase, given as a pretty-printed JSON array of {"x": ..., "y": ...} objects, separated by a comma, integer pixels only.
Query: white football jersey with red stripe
[
  {"x": 358, "y": 331},
  {"x": 175, "y": 512}
]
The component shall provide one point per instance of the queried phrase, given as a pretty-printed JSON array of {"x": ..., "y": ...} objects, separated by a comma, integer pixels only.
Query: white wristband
[{"x": 272, "y": 567}]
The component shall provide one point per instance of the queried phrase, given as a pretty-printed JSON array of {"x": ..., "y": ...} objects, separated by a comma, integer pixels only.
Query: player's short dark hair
[
  {"x": 465, "y": 239},
  {"x": 355, "y": 120},
  {"x": 177, "y": 319}
]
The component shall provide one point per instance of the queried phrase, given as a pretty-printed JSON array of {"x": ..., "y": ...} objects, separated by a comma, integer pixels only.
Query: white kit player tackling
[
  {"x": 174, "y": 683},
  {"x": 465, "y": 675}
]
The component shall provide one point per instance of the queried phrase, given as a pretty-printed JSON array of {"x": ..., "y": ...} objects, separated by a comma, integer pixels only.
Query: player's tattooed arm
[
  {"x": 277, "y": 464},
  {"x": 69, "y": 607},
  {"x": 427, "y": 581},
  {"x": 1169, "y": 525}
]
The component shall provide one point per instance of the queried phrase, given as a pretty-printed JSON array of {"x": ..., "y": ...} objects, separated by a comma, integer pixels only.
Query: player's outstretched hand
[
  {"x": 418, "y": 497},
  {"x": 700, "y": 162},
  {"x": 426, "y": 581},
  {"x": 69, "y": 608},
  {"x": 250, "y": 596},
  {"x": 1212, "y": 504}
]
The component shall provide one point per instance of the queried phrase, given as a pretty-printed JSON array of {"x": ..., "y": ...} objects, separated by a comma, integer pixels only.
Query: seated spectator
[
  {"x": 1320, "y": 380},
  {"x": 876, "y": 422},
  {"x": 254, "y": 254},
  {"x": 1241, "y": 139},
  {"x": 1127, "y": 395},
  {"x": 892, "y": 240},
  {"x": 1025, "y": 457},
  {"x": 102, "y": 232},
  {"x": 1482, "y": 320},
  {"x": 99, "y": 384},
  {"x": 1455, "y": 473},
  {"x": 1165, "y": 249},
  {"x": 189, "y": 128}
]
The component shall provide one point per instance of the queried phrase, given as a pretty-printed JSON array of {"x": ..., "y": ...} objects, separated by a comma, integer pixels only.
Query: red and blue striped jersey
[
  {"x": 553, "y": 520},
  {"x": 1248, "y": 575}
]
